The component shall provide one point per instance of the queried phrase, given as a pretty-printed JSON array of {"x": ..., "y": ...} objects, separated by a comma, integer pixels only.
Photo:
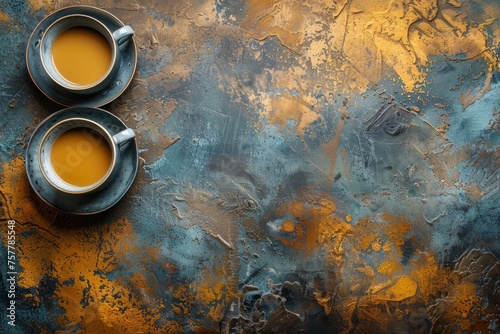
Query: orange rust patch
[
  {"x": 79, "y": 257},
  {"x": 363, "y": 239},
  {"x": 389, "y": 267},
  {"x": 288, "y": 226},
  {"x": 405, "y": 287},
  {"x": 216, "y": 290},
  {"x": 271, "y": 18},
  {"x": 39, "y": 4},
  {"x": 314, "y": 223},
  {"x": 4, "y": 17},
  {"x": 396, "y": 228},
  {"x": 287, "y": 107}
]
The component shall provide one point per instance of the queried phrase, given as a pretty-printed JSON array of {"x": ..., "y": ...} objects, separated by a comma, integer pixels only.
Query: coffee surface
[
  {"x": 81, "y": 156},
  {"x": 81, "y": 55}
]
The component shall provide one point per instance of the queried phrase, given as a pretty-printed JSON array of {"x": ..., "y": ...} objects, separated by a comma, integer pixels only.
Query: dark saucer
[
  {"x": 52, "y": 91},
  {"x": 88, "y": 203}
]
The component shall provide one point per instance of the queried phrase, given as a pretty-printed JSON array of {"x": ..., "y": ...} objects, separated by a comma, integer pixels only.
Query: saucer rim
[
  {"x": 60, "y": 115},
  {"x": 99, "y": 101}
]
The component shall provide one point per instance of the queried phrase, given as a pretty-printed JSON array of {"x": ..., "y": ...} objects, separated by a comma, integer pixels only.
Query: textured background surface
[{"x": 306, "y": 166}]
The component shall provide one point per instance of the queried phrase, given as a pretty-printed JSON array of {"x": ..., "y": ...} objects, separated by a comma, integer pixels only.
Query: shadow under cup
[
  {"x": 80, "y": 149},
  {"x": 98, "y": 36}
]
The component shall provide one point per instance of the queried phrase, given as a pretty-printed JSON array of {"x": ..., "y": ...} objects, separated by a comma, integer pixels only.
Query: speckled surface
[{"x": 305, "y": 167}]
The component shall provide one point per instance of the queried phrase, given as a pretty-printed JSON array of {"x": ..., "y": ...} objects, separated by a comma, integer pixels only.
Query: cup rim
[
  {"x": 66, "y": 84},
  {"x": 89, "y": 188}
]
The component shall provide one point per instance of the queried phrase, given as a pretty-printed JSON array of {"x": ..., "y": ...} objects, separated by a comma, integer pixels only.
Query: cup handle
[
  {"x": 124, "y": 137},
  {"x": 123, "y": 34}
]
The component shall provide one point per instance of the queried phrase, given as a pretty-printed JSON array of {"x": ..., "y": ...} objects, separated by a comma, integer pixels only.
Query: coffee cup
[
  {"x": 80, "y": 54},
  {"x": 80, "y": 156}
]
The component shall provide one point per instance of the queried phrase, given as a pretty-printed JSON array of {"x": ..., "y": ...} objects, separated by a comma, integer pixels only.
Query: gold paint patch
[
  {"x": 405, "y": 287},
  {"x": 78, "y": 258},
  {"x": 45, "y": 4},
  {"x": 389, "y": 267},
  {"x": 4, "y": 17},
  {"x": 284, "y": 20},
  {"x": 288, "y": 226},
  {"x": 287, "y": 107}
]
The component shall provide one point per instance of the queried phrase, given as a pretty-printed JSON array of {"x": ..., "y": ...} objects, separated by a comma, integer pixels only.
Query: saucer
[
  {"x": 52, "y": 91},
  {"x": 87, "y": 203}
]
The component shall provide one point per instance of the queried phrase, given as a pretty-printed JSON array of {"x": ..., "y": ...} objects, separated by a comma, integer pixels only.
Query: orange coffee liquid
[
  {"x": 81, "y": 55},
  {"x": 80, "y": 156}
]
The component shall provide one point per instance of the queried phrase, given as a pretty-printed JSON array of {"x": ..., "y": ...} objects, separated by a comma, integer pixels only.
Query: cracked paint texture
[{"x": 305, "y": 167}]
